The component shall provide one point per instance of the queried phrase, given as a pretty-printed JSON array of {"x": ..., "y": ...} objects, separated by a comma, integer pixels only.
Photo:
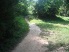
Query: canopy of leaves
[
  {"x": 11, "y": 27},
  {"x": 48, "y": 8}
]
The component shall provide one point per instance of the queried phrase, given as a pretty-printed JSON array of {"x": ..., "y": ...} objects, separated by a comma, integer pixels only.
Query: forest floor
[{"x": 32, "y": 42}]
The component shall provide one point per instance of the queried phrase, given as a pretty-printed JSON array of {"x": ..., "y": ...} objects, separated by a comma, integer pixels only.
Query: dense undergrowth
[{"x": 13, "y": 33}]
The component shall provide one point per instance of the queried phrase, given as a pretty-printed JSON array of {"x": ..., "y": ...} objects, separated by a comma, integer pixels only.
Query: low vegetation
[
  {"x": 17, "y": 32},
  {"x": 56, "y": 32},
  {"x": 13, "y": 26}
]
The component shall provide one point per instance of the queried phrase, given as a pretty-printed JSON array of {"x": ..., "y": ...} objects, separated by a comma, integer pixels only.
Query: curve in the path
[{"x": 32, "y": 42}]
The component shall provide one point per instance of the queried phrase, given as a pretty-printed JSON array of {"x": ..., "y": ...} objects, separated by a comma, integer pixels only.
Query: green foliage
[
  {"x": 12, "y": 28},
  {"x": 12, "y": 34},
  {"x": 56, "y": 32},
  {"x": 67, "y": 3},
  {"x": 31, "y": 4},
  {"x": 47, "y": 8},
  {"x": 6, "y": 16},
  {"x": 64, "y": 8},
  {"x": 20, "y": 25},
  {"x": 21, "y": 9}
]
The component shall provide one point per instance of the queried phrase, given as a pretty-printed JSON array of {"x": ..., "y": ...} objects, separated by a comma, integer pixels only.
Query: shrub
[
  {"x": 12, "y": 28},
  {"x": 13, "y": 33},
  {"x": 21, "y": 9}
]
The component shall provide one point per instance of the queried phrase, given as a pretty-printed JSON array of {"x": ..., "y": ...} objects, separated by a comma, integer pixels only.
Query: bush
[
  {"x": 47, "y": 9},
  {"x": 21, "y": 9},
  {"x": 20, "y": 25},
  {"x": 46, "y": 14},
  {"x": 13, "y": 33},
  {"x": 12, "y": 28}
]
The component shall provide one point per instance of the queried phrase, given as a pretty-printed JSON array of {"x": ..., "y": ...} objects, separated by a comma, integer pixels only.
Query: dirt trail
[{"x": 32, "y": 42}]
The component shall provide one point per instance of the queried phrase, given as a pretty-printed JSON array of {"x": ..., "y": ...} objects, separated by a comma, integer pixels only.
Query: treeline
[
  {"x": 12, "y": 23},
  {"x": 12, "y": 13},
  {"x": 50, "y": 8}
]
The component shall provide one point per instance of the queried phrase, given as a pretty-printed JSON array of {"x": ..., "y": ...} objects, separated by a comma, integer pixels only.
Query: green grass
[{"x": 56, "y": 32}]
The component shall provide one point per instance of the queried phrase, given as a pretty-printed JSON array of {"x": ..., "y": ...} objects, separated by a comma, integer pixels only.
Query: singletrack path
[{"x": 32, "y": 42}]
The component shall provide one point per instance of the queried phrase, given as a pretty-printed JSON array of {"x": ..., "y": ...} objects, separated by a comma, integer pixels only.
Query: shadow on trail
[
  {"x": 50, "y": 25},
  {"x": 11, "y": 42}
]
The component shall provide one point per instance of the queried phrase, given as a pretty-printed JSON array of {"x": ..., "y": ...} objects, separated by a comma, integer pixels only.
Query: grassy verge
[
  {"x": 57, "y": 32},
  {"x": 16, "y": 33}
]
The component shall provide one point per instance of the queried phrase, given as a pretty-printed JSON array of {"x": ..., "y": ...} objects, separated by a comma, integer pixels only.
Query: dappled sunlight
[
  {"x": 40, "y": 40},
  {"x": 54, "y": 31},
  {"x": 61, "y": 25},
  {"x": 40, "y": 22},
  {"x": 33, "y": 34},
  {"x": 32, "y": 42},
  {"x": 36, "y": 21},
  {"x": 34, "y": 25}
]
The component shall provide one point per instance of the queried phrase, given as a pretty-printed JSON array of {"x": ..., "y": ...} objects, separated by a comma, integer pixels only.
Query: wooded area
[{"x": 13, "y": 26}]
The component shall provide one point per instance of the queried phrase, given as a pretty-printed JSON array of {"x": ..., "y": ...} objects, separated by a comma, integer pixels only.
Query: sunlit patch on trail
[{"x": 40, "y": 40}]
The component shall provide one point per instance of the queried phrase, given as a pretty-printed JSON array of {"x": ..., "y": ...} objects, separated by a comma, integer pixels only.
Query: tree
[
  {"x": 64, "y": 8},
  {"x": 48, "y": 8},
  {"x": 67, "y": 7},
  {"x": 21, "y": 8},
  {"x": 31, "y": 4},
  {"x": 11, "y": 27},
  {"x": 6, "y": 14}
]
